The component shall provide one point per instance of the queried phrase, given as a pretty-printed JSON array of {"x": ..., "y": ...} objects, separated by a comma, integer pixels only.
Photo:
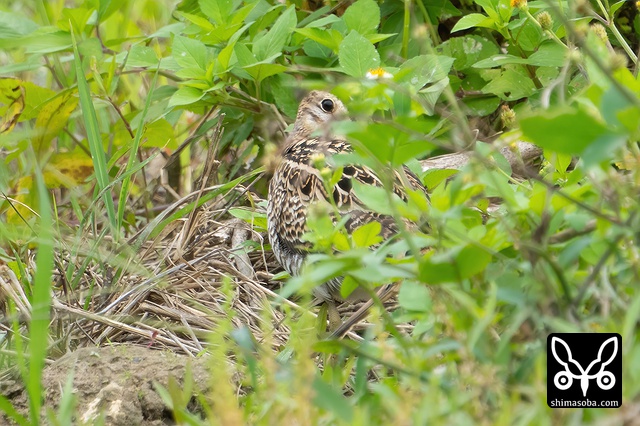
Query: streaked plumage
[{"x": 297, "y": 184}]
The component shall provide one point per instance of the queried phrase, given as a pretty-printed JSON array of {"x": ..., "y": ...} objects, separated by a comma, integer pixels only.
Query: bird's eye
[{"x": 327, "y": 105}]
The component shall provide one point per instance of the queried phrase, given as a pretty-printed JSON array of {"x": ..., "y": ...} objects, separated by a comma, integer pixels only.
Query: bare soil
[{"x": 113, "y": 382}]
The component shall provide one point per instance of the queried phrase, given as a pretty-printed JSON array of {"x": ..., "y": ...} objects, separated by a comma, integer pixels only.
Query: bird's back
[{"x": 297, "y": 184}]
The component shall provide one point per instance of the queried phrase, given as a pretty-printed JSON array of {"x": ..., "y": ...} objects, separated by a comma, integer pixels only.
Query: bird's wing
[{"x": 303, "y": 185}]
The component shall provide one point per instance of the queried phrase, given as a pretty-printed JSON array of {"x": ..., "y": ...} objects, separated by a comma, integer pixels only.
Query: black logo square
[{"x": 584, "y": 370}]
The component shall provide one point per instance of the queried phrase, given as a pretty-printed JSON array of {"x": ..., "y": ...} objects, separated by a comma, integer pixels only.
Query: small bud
[
  {"x": 581, "y": 29},
  {"x": 574, "y": 56},
  {"x": 545, "y": 20},
  {"x": 519, "y": 4},
  {"x": 583, "y": 7},
  {"x": 600, "y": 31},
  {"x": 618, "y": 60},
  {"x": 326, "y": 173},
  {"x": 318, "y": 160},
  {"x": 638, "y": 5},
  {"x": 507, "y": 116}
]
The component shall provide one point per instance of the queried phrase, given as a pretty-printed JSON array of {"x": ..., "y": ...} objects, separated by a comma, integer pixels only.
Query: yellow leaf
[
  {"x": 11, "y": 94},
  {"x": 23, "y": 202},
  {"x": 52, "y": 118},
  {"x": 68, "y": 169}
]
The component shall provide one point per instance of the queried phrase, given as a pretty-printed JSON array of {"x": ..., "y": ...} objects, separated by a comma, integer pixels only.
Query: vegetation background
[{"x": 96, "y": 95}]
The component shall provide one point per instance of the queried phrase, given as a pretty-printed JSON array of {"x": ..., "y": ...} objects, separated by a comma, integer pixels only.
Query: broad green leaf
[
  {"x": 48, "y": 42},
  {"x": 617, "y": 5},
  {"x": 159, "y": 134},
  {"x": 283, "y": 95},
  {"x": 363, "y": 17},
  {"x": 52, "y": 118},
  {"x": 435, "y": 177},
  {"x": 467, "y": 50},
  {"x": 329, "y": 38},
  {"x": 261, "y": 71},
  {"x": 254, "y": 218},
  {"x": 348, "y": 286},
  {"x": 473, "y": 20},
  {"x": 357, "y": 55},
  {"x": 331, "y": 399},
  {"x": 15, "y": 25},
  {"x": 196, "y": 19},
  {"x": 273, "y": 42},
  {"x": 549, "y": 54},
  {"x": 376, "y": 198},
  {"x": 218, "y": 10},
  {"x": 414, "y": 296},
  {"x": 185, "y": 95},
  {"x": 189, "y": 53},
  {"x": 142, "y": 56},
  {"x": 453, "y": 267},
  {"x": 424, "y": 69},
  {"x": 367, "y": 235},
  {"x": 499, "y": 60},
  {"x": 563, "y": 130},
  {"x": 511, "y": 85},
  {"x": 107, "y": 8},
  {"x": 244, "y": 55}
]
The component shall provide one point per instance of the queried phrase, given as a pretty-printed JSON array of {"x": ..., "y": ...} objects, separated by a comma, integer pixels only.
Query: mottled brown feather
[{"x": 296, "y": 184}]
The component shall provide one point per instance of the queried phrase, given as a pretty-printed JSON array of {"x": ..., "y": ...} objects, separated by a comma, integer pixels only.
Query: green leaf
[
  {"x": 41, "y": 298},
  {"x": 273, "y": 42},
  {"x": 196, "y": 19},
  {"x": 95, "y": 141},
  {"x": 375, "y": 198},
  {"x": 549, "y": 54},
  {"x": 189, "y": 53},
  {"x": 414, "y": 296},
  {"x": 435, "y": 177},
  {"x": 13, "y": 25},
  {"x": 332, "y": 400},
  {"x": 424, "y": 69},
  {"x": 357, "y": 55},
  {"x": 473, "y": 20},
  {"x": 7, "y": 408},
  {"x": 367, "y": 235},
  {"x": 499, "y": 60},
  {"x": 329, "y": 38},
  {"x": 511, "y": 85},
  {"x": 452, "y": 266},
  {"x": 564, "y": 130},
  {"x": 185, "y": 95},
  {"x": 218, "y": 10},
  {"x": 467, "y": 50},
  {"x": 48, "y": 42},
  {"x": 141, "y": 56},
  {"x": 261, "y": 71},
  {"x": 362, "y": 16}
]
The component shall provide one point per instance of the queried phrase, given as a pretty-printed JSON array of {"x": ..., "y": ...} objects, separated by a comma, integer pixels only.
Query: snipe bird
[{"x": 297, "y": 184}]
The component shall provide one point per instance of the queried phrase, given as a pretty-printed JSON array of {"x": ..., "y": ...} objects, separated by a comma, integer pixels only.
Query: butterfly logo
[{"x": 564, "y": 379}]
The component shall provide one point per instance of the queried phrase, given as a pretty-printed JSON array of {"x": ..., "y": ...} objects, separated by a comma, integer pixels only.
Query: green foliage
[{"x": 97, "y": 90}]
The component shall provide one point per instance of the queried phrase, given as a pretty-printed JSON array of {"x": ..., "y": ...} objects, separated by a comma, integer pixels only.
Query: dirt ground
[{"x": 114, "y": 382}]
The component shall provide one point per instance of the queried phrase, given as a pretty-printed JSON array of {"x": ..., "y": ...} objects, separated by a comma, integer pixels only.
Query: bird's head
[{"x": 316, "y": 110}]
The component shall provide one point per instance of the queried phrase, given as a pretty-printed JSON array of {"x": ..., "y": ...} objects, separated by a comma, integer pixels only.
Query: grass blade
[
  {"x": 93, "y": 137},
  {"x": 133, "y": 153},
  {"x": 41, "y": 303}
]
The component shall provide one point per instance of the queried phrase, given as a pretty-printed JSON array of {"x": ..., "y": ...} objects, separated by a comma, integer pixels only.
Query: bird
[{"x": 297, "y": 184}]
